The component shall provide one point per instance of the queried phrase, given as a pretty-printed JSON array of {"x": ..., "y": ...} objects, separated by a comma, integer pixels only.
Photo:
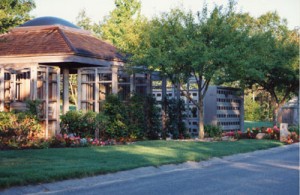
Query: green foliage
[
  {"x": 14, "y": 13},
  {"x": 115, "y": 111},
  {"x": 84, "y": 21},
  {"x": 35, "y": 108},
  {"x": 175, "y": 116},
  {"x": 136, "y": 118},
  {"x": 182, "y": 46},
  {"x": 16, "y": 129},
  {"x": 270, "y": 59},
  {"x": 101, "y": 121},
  {"x": 294, "y": 129},
  {"x": 123, "y": 26},
  {"x": 78, "y": 123},
  {"x": 151, "y": 113},
  {"x": 71, "y": 122},
  {"x": 212, "y": 131},
  {"x": 88, "y": 124},
  {"x": 252, "y": 109}
]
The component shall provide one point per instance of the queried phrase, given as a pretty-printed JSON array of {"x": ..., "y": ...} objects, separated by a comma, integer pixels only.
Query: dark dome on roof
[{"x": 48, "y": 20}]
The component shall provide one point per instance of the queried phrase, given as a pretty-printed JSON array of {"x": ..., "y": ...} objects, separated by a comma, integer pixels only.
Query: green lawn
[
  {"x": 21, "y": 167},
  {"x": 251, "y": 124}
]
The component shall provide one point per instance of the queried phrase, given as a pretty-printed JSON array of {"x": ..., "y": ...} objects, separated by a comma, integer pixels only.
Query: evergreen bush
[
  {"x": 175, "y": 116},
  {"x": 212, "y": 131}
]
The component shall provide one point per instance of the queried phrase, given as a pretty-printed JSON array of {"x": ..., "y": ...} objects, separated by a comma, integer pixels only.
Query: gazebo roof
[{"x": 50, "y": 36}]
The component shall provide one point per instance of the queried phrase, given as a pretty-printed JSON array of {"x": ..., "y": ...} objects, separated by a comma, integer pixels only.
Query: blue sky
[{"x": 97, "y": 9}]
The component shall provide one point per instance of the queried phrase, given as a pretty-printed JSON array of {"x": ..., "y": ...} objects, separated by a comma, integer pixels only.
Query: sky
[{"x": 97, "y": 9}]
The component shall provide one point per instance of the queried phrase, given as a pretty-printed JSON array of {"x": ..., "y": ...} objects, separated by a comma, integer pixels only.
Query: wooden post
[
  {"x": 57, "y": 100},
  {"x": 13, "y": 88},
  {"x": 78, "y": 89},
  {"x": 2, "y": 90},
  {"x": 33, "y": 79},
  {"x": 96, "y": 92},
  {"x": 47, "y": 103},
  {"x": 65, "y": 90},
  {"x": 114, "y": 79},
  {"x": 132, "y": 83}
]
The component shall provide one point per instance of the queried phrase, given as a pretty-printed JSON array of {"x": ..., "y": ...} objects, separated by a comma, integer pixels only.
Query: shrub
[
  {"x": 88, "y": 124},
  {"x": 175, "y": 125},
  {"x": 34, "y": 108},
  {"x": 151, "y": 114},
  {"x": 294, "y": 129},
  {"x": 101, "y": 122},
  {"x": 78, "y": 123},
  {"x": 71, "y": 122},
  {"x": 212, "y": 131},
  {"x": 136, "y": 117},
  {"x": 115, "y": 111},
  {"x": 16, "y": 129}
]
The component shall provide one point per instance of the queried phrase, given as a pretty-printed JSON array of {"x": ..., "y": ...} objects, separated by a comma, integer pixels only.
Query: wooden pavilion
[{"x": 37, "y": 58}]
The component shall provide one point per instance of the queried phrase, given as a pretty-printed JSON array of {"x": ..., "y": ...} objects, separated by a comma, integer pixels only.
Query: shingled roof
[{"x": 55, "y": 40}]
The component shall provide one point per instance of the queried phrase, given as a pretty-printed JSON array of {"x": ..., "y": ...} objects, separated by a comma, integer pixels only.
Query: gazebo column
[
  {"x": 66, "y": 75},
  {"x": 33, "y": 79},
  {"x": 114, "y": 79},
  {"x": 79, "y": 89},
  {"x": 96, "y": 91},
  {"x": 2, "y": 89},
  {"x": 57, "y": 130}
]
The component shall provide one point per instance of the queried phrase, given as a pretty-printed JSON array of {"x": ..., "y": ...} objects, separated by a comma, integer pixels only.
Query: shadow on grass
[{"x": 22, "y": 167}]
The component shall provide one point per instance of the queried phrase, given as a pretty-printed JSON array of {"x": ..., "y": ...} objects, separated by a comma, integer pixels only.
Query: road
[{"x": 273, "y": 171}]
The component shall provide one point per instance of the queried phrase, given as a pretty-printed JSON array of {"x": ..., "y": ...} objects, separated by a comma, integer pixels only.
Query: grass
[
  {"x": 22, "y": 167},
  {"x": 251, "y": 124}
]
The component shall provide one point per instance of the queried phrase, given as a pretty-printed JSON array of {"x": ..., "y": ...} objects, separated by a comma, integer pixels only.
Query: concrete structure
[
  {"x": 289, "y": 113},
  {"x": 223, "y": 106}
]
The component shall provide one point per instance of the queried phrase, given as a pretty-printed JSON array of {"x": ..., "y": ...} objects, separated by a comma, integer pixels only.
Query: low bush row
[
  {"x": 118, "y": 122},
  {"x": 136, "y": 119},
  {"x": 216, "y": 133},
  {"x": 18, "y": 129}
]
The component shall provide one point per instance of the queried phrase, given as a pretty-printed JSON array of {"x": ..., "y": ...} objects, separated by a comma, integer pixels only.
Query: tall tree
[
  {"x": 123, "y": 26},
  {"x": 271, "y": 60},
  {"x": 14, "y": 13},
  {"x": 84, "y": 21},
  {"x": 182, "y": 47}
]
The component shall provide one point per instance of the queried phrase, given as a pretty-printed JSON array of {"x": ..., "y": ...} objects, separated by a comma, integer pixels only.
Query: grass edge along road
[{"x": 22, "y": 167}]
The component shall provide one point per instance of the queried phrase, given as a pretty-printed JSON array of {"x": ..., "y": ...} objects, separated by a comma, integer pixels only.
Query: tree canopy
[
  {"x": 182, "y": 46},
  {"x": 14, "y": 13},
  {"x": 123, "y": 26},
  {"x": 218, "y": 46},
  {"x": 271, "y": 59}
]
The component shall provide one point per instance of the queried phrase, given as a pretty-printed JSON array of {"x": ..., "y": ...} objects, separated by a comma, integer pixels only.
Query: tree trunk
[
  {"x": 275, "y": 113},
  {"x": 276, "y": 107},
  {"x": 201, "y": 116}
]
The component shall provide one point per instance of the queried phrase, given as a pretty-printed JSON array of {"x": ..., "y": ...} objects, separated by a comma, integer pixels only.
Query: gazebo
[{"x": 37, "y": 58}]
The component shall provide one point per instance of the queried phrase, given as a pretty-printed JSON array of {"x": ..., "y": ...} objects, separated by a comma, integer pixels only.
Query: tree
[
  {"x": 181, "y": 47},
  {"x": 14, "y": 13},
  {"x": 271, "y": 60},
  {"x": 84, "y": 21},
  {"x": 123, "y": 26}
]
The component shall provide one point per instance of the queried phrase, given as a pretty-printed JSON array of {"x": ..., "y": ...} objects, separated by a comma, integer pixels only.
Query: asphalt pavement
[{"x": 272, "y": 171}]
